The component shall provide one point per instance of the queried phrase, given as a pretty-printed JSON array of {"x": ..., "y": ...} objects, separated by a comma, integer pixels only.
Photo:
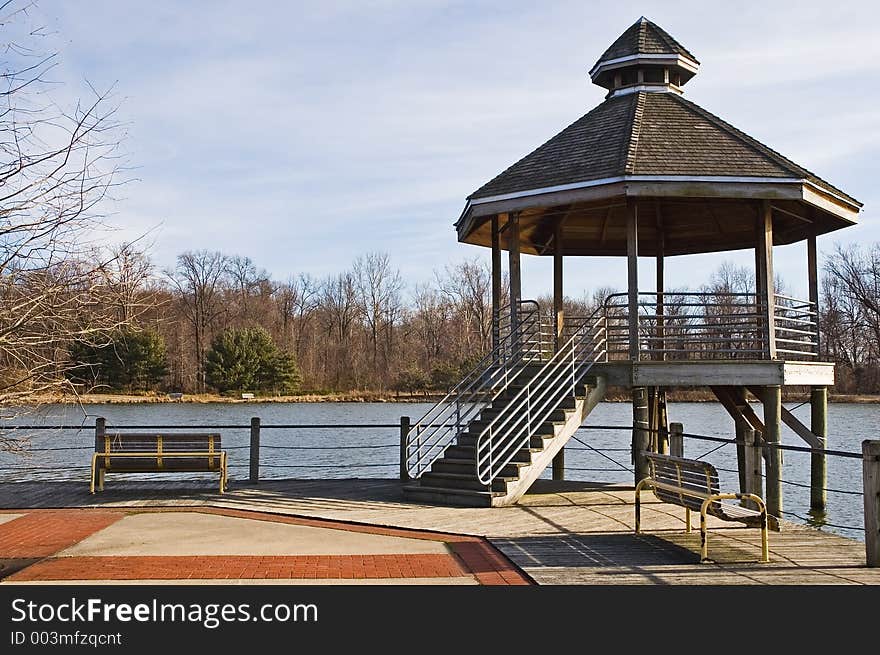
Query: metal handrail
[
  {"x": 498, "y": 443},
  {"x": 437, "y": 429}
]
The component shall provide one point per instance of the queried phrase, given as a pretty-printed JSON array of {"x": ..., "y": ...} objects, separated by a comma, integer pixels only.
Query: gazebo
[{"x": 647, "y": 173}]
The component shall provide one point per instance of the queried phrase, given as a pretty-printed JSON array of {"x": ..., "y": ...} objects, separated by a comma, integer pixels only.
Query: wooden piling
[
  {"x": 404, "y": 432},
  {"x": 559, "y": 465},
  {"x": 871, "y": 481},
  {"x": 772, "y": 433},
  {"x": 752, "y": 462},
  {"x": 100, "y": 432},
  {"x": 640, "y": 434},
  {"x": 254, "y": 477},
  {"x": 741, "y": 464},
  {"x": 819, "y": 427},
  {"x": 676, "y": 440}
]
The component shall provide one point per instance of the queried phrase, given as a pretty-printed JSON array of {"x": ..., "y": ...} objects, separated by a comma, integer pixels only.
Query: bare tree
[
  {"x": 378, "y": 289},
  {"x": 57, "y": 165},
  {"x": 297, "y": 300},
  {"x": 850, "y": 317},
  {"x": 468, "y": 285},
  {"x": 199, "y": 278},
  {"x": 247, "y": 281}
]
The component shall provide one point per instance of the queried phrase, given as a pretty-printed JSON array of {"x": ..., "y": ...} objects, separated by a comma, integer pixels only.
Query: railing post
[
  {"x": 772, "y": 436},
  {"x": 640, "y": 433},
  {"x": 404, "y": 432},
  {"x": 676, "y": 440},
  {"x": 100, "y": 432},
  {"x": 254, "y": 477},
  {"x": 752, "y": 463},
  {"x": 819, "y": 427},
  {"x": 871, "y": 492}
]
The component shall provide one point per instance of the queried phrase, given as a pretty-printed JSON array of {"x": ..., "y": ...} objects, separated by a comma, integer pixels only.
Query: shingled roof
[
  {"x": 646, "y": 134},
  {"x": 644, "y": 37}
]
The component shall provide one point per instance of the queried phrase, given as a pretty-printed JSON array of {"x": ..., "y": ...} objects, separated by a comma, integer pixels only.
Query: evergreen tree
[
  {"x": 248, "y": 360},
  {"x": 132, "y": 360}
]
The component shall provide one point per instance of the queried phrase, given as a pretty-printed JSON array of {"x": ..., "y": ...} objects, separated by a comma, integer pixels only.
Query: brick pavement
[{"x": 40, "y": 535}]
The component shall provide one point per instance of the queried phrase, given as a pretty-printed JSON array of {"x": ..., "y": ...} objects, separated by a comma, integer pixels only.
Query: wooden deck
[{"x": 559, "y": 533}]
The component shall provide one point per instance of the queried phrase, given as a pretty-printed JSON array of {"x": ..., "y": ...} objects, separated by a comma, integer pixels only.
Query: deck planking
[{"x": 559, "y": 533}]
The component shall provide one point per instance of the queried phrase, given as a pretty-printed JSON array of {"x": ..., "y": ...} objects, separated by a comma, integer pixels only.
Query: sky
[{"x": 303, "y": 134}]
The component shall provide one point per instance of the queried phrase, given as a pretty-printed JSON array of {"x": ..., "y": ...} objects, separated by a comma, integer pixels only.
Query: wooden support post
[
  {"x": 676, "y": 440},
  {"x": 558, "y": 296},
  {"x": 663, "y": 422},
  {"x": 559, "y": 465},
  {"x": 871, "y": 480},
  {"x": 772, "y": 435},
  {"x": 632, "y": 260},
  {"x": 766, "y": 292},
  {"x": 813, "y": 277},
  {"x": 640, "y": 435},
  {"x": 559, "y": 320},
  {"x": 741, "y": 461},
  {"x": 100, "y": 432},
  {"x": 496, "y": 283},
  {"x": 752, "y": 463},
  {"x": 254, "y": 477},
  {"x": 653, "y": 420},
  {"x": 404, "y": 432},
  {"x": 660, "y": 344},
  {"x": 514, "y": 270},
  {"x": 819, "y": 427}
]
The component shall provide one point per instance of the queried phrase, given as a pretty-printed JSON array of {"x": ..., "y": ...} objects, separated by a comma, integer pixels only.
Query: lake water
[{"x": 65, "y": 454}]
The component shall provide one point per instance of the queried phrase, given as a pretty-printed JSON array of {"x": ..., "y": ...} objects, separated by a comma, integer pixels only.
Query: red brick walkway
[
  {"x": 42, "y": 533},
  {"x": 45, "y": 532},
  {"x": 238, "y": 567}
]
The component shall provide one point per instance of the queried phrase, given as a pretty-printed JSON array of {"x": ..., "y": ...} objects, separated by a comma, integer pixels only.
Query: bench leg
[
  {"x": 94, "y": 474},
  {"x": 101, "y": 473},
  {"x": 765, "y": 550},
  {"x": 639, "y": 506},
  {"x": 704, "y": 539},
  {"x": 687, "y": 519}
]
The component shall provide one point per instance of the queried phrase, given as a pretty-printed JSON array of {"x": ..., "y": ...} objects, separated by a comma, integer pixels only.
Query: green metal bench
[{"x": 693, "y": 484}]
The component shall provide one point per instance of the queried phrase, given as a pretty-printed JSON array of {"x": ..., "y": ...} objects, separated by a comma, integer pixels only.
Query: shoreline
[{"x": 679, "y": 396}]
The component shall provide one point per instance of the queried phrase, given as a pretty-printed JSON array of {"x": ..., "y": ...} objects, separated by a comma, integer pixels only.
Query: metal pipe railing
[{"x": 518, "y": 347}]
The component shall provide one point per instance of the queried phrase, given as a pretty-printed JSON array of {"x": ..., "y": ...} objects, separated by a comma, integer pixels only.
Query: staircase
[{"x": 514, "y": 425}]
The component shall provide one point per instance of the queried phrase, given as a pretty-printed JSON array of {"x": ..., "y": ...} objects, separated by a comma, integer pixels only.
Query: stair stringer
[{"x": 541, "y": 460}]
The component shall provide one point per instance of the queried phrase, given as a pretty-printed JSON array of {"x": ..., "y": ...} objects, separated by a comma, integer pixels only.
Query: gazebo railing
[
  {"x": 797, "y": 327},
  {"x": 707, "y": 325}
]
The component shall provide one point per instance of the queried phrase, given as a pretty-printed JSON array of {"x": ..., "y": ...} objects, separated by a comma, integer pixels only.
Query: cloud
[{"x": 304, "y": 134}]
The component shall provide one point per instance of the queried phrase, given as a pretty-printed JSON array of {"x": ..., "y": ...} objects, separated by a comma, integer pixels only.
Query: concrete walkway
[{"x": 209, "y": 545}]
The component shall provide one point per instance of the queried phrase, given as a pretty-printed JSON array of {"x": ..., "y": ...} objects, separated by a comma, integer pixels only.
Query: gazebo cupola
[{"x": 644, "y": 58}]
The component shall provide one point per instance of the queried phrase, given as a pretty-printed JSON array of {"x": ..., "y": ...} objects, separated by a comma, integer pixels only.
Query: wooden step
[
  {"x": 469, "y": 452},
  {"x": 488, "y": 414},
  {"x": 469, "y": 467},
  {"x": 538, "y": 441},
  {"x": 443, "y": 496},
  {"x": 463, "y": 481}
]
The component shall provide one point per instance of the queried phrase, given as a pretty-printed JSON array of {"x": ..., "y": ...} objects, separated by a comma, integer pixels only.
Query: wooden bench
[
  {"x": 693, "y": 484},
  {"x": 127, "y": 452}
]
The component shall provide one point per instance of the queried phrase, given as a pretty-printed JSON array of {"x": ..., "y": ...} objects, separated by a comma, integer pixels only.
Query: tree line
[{"x": 217, "y": 322}]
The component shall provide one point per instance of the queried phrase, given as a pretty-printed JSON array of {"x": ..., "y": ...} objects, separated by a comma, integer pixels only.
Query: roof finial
[{"x": 644, "y": 58}]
